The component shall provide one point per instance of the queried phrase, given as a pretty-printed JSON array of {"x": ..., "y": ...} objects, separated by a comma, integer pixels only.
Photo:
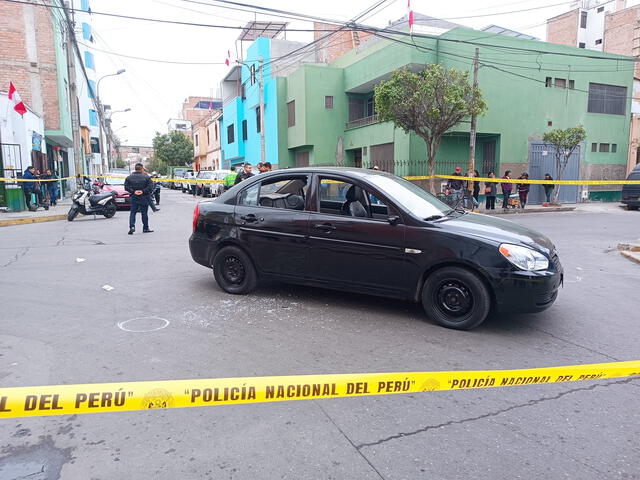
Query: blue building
[{"x": 241, "y": 127}]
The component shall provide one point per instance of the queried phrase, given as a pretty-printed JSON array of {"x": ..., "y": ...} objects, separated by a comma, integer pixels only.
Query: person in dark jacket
[
  {"x": 548, "y": 187},
  {"x": 490, "y": 192},
  {"x": 523, "y": 189},
  {"x": 455, "y": 186},
  {"x": 52, "y": 187},
  {"x": 32, "y": 187},
  {"x": 506, "y": 189},
  {"x": 139, "y": 186},
  {"x": 246, "y": 173},
  {"x": 476, "y": 188}
]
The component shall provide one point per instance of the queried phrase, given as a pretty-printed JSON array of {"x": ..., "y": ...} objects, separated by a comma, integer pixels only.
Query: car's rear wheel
[
  {"x": 455, "y": 297},
  {"x": 234, "y": 271}
]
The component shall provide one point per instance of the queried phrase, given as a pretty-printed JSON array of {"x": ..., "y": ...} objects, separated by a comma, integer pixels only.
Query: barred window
[{"x": 609, "y": 99}]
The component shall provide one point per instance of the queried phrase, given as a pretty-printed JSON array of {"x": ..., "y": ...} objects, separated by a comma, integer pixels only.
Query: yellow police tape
[{"x": 127, "y": 396}]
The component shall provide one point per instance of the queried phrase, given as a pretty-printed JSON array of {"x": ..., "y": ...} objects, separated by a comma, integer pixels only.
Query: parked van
[{"x": 631, "y": 193}]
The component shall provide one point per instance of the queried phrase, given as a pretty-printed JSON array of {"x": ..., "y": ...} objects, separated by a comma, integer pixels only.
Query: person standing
[
  {"x": 548, "y": 187},
  {"x": 490, "y": 192},
  {"x": 32, "y": 187},
  {"x": 266, "y": 167},
  {"x": 506, "y": 189},
  {"x": 455, "y": 186},
  {"x": 476, "y": 188},
  {"x": 523, "y": 190},
  {"x": 139, "y": 186},
  {"x": 52, "y": 187},
  {"x": 246, "y": 173},
  {"x": 230, "y": 180}
]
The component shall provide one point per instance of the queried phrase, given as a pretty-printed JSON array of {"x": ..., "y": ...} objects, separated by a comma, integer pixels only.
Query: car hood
[
  {"x": 118, "y": 189},
  {"x": 499, "y": 230}
]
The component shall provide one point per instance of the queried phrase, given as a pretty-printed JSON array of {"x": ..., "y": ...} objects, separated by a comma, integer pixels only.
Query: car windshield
[
  {"x": 114, "y": 181},
  {"x": 410, "y": 196}
]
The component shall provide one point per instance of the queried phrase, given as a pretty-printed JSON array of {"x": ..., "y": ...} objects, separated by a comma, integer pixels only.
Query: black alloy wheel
[
  {"x": 234, "y": 271},
  {"x": 455, "y": 297}
]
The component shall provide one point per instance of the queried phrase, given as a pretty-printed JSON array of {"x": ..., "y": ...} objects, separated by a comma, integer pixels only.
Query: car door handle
[
  {"x": 325, "y": 227},
  {"x": 249, "y": 218}
]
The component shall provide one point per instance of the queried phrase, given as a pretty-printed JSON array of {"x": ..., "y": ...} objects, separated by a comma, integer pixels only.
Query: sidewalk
[{"x": 59, "y": 212}]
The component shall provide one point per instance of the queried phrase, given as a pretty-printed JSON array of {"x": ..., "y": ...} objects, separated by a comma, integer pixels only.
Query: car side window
[
  {"x": 249, "y": 196},
  {"x": 284, "y": 192},
  {"x": 345, "y": 198}
]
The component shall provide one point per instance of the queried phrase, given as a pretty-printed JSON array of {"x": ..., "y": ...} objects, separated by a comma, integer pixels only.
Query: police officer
[
  {"x": 139, "y": 186},
  {"x": 246, "y": 173}
]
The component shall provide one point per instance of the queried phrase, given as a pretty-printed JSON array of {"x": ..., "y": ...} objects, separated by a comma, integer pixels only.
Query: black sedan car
[{"x": 372, "y": 232}]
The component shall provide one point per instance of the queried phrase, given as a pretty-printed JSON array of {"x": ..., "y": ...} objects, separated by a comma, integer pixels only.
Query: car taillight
[
  {"x": 196, "y": 214},
  {"x": 626, "y": 197}
]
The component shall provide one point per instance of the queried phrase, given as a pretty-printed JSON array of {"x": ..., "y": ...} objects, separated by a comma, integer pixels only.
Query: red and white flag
[
  {"x": 228, "y": 59},
  {"x": 14, "y": 96},
  {"x": 410, "y": 16}
]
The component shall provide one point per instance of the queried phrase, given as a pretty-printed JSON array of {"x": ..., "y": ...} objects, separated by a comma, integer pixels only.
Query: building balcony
[{"x": 362, "y": 122}]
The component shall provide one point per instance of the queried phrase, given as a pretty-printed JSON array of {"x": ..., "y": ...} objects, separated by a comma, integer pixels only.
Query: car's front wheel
[
  {"x": 455, "y": 297},
  {"x": 234, "y": 271}
]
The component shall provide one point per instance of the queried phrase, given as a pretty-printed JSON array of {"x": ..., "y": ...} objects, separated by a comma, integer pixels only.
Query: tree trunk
[
  {"x": 561, "y": 166},
  {"x": 431, "y": 165}
]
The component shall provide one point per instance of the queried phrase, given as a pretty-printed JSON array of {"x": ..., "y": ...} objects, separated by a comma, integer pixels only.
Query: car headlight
[{"x": 524, "y": 258}]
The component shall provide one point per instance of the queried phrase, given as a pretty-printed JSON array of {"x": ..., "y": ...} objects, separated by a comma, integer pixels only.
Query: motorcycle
[{"x": 89, "y": 200}]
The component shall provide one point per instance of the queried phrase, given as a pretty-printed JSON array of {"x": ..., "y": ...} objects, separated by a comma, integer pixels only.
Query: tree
[
  {"x": 120, "y": 163},
  {"x": 157, "y": 165},
  {"x": 428, "y": 103},
  {"x": 173, "y": 148},
  {"x": 564, "y": 142}
]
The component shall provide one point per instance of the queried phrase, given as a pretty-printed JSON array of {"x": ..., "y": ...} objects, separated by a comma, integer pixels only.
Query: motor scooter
[{"x": 89, "y": 200}]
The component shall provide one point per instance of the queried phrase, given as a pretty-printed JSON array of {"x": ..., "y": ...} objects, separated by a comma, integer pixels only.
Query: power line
[{"x": 150, "y": 59}]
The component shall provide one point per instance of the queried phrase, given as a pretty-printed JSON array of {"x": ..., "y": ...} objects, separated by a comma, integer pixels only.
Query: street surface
[{"x": 59, "y": 326}]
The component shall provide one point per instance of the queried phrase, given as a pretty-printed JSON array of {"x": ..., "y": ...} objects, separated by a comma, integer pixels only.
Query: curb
[
  {"x": 530, "y": 210},
  {"x": 25, "y": 221}
]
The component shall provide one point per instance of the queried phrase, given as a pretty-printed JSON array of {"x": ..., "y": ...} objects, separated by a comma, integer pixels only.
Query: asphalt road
[{"x": 58, "y": 325}]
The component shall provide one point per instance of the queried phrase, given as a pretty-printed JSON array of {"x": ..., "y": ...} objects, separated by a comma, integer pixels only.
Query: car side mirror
[{"x": 393, "y": 219}]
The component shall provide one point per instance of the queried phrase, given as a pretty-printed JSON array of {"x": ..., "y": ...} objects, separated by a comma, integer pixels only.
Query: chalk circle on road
[{"x": 143, "y": 324}]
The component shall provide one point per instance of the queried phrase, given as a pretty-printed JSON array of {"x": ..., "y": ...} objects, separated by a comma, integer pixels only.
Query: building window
[
  {"x": 599, "y": 41},
  {"x": 86, "y": 31},
  {"x": 208, "y": 137},
  {"x": 572, "y": 84},
  {"x": 583, "y": 19},
  {"x": 92, "y": 89},
  {"x": 604, "y": 148},
  {"x": 601, "y": 9},
  {"x": 243, "y": 93},
  {"x": 84, "y": 5},
  {"x": 547, "y": 82},
  {"x": 195, "y": 138},
  {"x": 371, "y": 107},
  {"x": 582, "y": 45},
  {"x": 244, "y": 130},
  {"x": 594, "y": 147},
  {"x": 291, "y": 113},
  {"x": 560, "y": 83},
  {"x": 258, "y": 124},
  {"x": 614, "y": 147},
  {"x": 230, "y": 135},
  {"x": 89, "y": 61},
  {"x": 95, "y": 145},
  {"x": 252, "y": 72},
  {"x": 135, "y": 149},
  {"x": 609, "y": 99},
  {"x": 216, "y": 132},
  {"x": 328, "y": 102},
  {"x": 93, "y": 118},
  {"x": 364, "y": 151}
]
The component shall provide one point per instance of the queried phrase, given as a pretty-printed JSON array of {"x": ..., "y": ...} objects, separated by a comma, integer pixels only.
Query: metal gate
[{"x": 542, "y": 159}]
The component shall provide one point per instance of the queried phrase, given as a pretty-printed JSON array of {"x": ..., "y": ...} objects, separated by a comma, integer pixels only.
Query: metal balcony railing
[{"x": 361, "y": 122}]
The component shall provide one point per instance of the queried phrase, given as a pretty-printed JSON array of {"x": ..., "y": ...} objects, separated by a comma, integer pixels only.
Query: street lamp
[{"x": 101, "y": 109}]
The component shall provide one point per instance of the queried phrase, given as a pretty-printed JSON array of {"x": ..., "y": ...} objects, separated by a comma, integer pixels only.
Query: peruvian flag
[
  {"x": 226, "y": 62},
  {"x": 14, "y": 96},
  {"x": 410, "y": 16}
]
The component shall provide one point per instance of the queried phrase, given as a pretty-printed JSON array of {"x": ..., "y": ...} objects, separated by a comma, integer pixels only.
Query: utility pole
[
  {"x": 472, "y": 135},
  {"x": 262, "y": 126},
  {"x": 78, "y": 153}
]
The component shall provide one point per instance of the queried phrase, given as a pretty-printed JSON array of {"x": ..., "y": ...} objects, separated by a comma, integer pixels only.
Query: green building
[{"x": 530, "y": 87}]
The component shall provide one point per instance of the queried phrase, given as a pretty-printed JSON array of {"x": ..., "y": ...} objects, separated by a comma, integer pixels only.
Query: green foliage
[
  {"x": 428, "y": 103},
  {"x": 157, "y": 165},
  {"x": 173, "y": 148},
  {"x": 120, "y": 163},
  {"x": 565, "y": 142}
]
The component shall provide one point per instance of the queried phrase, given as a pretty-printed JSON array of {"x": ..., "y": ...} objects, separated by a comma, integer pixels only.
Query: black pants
[
  {"x": 156, "y": 194},
  {"x": 39, "y": 196},
  {"x": 505, "y": 201},
  {"x": 139, "y": 202},
  {"x": 490, "y": 203}
]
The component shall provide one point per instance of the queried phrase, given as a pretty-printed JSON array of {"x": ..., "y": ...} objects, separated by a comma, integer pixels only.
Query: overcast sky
[{"x": 155, "y": 91}]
